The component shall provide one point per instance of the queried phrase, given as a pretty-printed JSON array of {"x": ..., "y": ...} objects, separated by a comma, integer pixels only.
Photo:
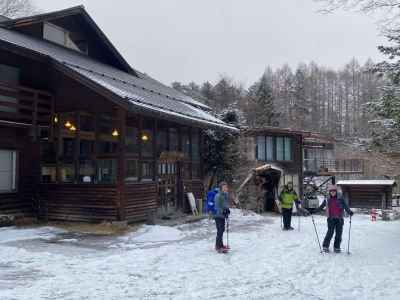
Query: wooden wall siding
[
  {"x": 13, "y": 204},
  {"x": 367, "y": 197},
  {"x": 78, "y": 202},
  {"x": 140, "y": 200}
]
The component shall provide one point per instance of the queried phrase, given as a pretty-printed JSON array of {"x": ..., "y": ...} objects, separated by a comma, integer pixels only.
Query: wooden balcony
[
  {"x": 333, "y": 167},
  {"x": 25, "y": 106}
]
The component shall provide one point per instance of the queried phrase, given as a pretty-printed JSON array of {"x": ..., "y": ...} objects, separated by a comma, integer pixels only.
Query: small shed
[{"x": 368, "y": 193}]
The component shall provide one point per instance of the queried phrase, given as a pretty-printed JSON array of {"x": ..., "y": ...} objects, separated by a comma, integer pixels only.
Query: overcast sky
[{"x": 199, "y": 40}]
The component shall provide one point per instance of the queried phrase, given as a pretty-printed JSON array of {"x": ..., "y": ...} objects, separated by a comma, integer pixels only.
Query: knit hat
[{"x": 332, "y": 187}]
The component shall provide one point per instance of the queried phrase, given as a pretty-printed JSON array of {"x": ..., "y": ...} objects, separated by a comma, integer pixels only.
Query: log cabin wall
[
  {"x": 78, "y": 202},
  {"x": 20, "y": 201},
  {"x": 140, "y": 201}
]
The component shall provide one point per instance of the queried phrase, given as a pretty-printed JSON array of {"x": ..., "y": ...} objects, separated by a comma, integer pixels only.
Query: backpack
[{"x": 210, "y": 201}]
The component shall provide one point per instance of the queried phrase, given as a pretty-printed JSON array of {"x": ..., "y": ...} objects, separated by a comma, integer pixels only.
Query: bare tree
[
  {"x": 387, "y": 11},
  {"x": 16, "y": 8}
]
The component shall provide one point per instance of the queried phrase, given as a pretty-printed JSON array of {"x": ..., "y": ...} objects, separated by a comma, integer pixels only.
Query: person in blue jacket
[{"x": 221, "y": 213}]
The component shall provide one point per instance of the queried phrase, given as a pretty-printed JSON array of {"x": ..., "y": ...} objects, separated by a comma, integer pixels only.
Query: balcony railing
[
  {"x": 25, "y": 105},
  {"x": 320, "y": 166}
]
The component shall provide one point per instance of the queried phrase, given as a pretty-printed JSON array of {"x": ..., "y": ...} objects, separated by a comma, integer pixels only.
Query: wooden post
[
  {"x": 121, "y": 121},
  {"x": 34, "y": 117},
  {"x": 77, "y": 145}
]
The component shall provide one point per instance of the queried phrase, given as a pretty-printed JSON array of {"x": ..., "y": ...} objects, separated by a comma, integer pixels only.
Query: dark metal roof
[
  {"x": 142, "y": 92},
  {"x": 73, "y": 11}
]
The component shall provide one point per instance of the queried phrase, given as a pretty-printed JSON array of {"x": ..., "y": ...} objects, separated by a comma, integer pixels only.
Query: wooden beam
[{"x": 121, "y": 171}]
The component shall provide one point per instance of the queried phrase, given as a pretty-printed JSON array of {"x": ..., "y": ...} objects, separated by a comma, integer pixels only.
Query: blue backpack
[{"x": 210, "y": 202}]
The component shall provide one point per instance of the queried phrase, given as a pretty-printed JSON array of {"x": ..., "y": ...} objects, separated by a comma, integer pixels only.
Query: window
[
  {"x": 131, "y": 140},
  {"x": 173, "y": 140},
  {"x": 146, "y": 138},
  {"x": 132, "y": 171},
  {"x": 186, "y": 143},
  {"x": 86, "y": 171},
  {"x": 58, "y": 35},
  {"x": 67, "y": 173},
  {"x": 280, "y": 148},
  {"x": 147, "y": 171},
  {"x": 271, "y": 148},
  {"x": 48, "y": 158},
  {"x": 9, "y": 75},
  {"x": 162, "y": 141},
  {"x": 8, "y": 170},
  {"x": 261, "y": 147},
  {"x": 195, "y": 146},
  {"x": 106, "y": 170}
]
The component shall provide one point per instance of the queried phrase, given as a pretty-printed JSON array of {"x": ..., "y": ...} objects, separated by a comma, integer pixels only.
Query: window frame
[{"x": 14, "y": 172}]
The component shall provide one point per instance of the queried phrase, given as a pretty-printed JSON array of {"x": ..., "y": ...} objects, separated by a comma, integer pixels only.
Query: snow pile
[{"x": 12, "y": 234}]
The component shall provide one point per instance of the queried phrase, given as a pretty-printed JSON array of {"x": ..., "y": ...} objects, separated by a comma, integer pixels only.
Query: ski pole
[
  {"x": 298, "y": 220},
  {"x": 227, "y": 232},
  {"x": 348, "y": 242},
  {"x": 316, "y": 233}
]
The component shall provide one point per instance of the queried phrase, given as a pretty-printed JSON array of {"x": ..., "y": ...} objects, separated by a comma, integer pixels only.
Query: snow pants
[
  {"x": 287, "y": 217},
  {"x": 220, "y": 223},
  {"x": 334, "y": 225}
]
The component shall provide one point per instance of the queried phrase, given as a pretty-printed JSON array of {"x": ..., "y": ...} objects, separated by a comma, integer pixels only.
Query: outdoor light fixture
[
  {"x": 55, "y": 119},
  {"x": 145, "y": 137},
  {"x": 72, "y": 128},
  {"x": 115, "y": 133},
  {"x": 68, "y": 124}
]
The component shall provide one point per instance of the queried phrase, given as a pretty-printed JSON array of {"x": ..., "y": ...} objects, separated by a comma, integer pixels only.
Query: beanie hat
[{"x": 332, "y": 187}]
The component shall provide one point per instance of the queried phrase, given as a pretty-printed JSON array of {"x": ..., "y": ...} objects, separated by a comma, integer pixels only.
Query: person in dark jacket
[
  {"x": 287, "y": 198},
  {"x": 221, "y": 213},
  {"x": 336, "y": 206}
]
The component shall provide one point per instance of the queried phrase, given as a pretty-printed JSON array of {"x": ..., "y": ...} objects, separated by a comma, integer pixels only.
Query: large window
[
  {"x": 9, "y": 75},
  {"x": 270, "y": 148},
  {"x": 8, "y": 170}
]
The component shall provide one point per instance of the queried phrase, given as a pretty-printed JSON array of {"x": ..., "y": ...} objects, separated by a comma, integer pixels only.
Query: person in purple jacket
[{"x": 335, "y": 207}]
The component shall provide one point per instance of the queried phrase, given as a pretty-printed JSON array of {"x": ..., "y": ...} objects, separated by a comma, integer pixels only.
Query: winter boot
[
  {"x": 222, "y": 250},
  {"x": 325, "y": 249},
  {"x": 291, "y": 228},
  {"x": 337, "y": 250}
]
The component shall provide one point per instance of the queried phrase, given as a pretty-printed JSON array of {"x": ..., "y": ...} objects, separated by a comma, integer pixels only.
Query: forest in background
[{"x": 310, "y": 97}]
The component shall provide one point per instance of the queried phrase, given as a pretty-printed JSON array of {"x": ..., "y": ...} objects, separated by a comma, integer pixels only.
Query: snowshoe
[
  {"x": 325, "y": 249},
  {"x": 337, "y": 250}
]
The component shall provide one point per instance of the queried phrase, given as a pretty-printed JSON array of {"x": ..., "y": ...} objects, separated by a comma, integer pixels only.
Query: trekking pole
[
  {"x": 227, "y": 232},
  {"x": 316, "y": 233},
  {"x": 348, "y": 242},
  {"x": 298, "y": 214}
]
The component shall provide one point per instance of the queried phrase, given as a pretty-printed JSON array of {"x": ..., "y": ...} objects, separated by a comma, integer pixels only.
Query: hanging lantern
[
  {"x": 68, "y": 124},
  {"x": 55, "y": 119},
  {"x": 115, "y": 133},
  {"x": 72, "y": 128}
]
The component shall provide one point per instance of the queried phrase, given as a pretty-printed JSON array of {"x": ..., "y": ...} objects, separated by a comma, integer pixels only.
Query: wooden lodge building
[{"x": 83, "y": 135}]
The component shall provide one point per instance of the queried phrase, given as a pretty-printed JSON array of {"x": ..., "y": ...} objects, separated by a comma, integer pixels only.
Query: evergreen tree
[{"x": 261, "y": 105}]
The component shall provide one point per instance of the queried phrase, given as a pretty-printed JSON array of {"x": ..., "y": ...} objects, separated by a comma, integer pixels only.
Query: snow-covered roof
[
  {"x": 141, "y": 92},
  {"x": 366, "y": 182}
]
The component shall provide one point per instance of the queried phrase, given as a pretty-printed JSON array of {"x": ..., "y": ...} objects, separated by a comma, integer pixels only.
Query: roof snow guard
[{"x": 139, "y": 92}]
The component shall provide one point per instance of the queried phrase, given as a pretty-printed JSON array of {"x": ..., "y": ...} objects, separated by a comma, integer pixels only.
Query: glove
[
  {"x": 226, "y": 212},
  {"x": 351, "y": 213}
]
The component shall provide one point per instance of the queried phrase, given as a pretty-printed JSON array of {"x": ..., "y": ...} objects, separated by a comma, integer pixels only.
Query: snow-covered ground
[{"x": 158, "y": 262}]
